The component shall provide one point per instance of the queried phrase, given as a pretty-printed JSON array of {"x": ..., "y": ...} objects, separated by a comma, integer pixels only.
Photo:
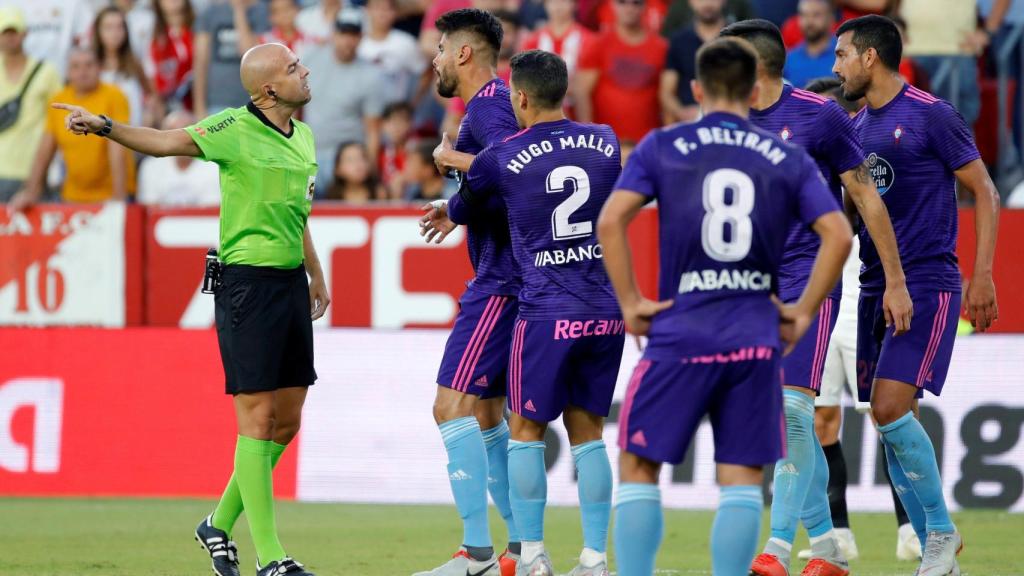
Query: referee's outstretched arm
[{"x": 149, "y": 141}]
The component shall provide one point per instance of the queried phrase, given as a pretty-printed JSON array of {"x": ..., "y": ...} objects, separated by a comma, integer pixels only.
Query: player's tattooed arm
[
  {"x": 980, "y": 298},
  {"x": 861, "y": 191}
]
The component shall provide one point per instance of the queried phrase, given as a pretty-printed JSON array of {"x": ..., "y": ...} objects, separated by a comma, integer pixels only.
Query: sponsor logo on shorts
[
  {"x": 481, "y": 381},
  {"x": 572, "y": 329},
  {"x": 741, "y": 355},
  {"x": 529, "y": 406}
]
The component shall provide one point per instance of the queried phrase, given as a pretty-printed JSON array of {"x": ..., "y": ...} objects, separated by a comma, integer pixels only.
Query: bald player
[{"x": 264, "y": 305}]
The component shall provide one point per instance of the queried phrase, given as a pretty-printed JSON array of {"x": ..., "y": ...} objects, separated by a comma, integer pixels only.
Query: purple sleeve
[
  {"x": 949, "y": 137},
  {"x": 639, "y": 175},
  {"x": 492, "y": 121},
  {"x": 839, "y": 143},
  {"x": 479, "y": 188},
  {"x": 813, "y": 198}
]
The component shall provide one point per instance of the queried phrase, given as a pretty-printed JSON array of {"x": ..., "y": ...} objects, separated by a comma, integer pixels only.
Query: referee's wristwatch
[{"x": 108, "y": 125}]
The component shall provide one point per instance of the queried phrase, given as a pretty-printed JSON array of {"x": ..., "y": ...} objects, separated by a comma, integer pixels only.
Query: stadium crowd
[{"x": 375, "y": 114}]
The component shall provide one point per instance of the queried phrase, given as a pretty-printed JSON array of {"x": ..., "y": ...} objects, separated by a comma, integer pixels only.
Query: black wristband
[{"x": 108, "y": 125}]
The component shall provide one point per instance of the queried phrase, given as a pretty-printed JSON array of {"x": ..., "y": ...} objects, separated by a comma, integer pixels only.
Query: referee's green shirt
[{"x": 266, "y": 185}]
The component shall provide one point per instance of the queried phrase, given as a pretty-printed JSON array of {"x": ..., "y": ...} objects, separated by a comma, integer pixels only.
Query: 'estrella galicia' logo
[{"x": 881, "y": 172}]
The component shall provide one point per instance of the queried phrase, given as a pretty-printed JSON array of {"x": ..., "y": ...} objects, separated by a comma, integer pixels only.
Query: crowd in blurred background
[{"x": 375, "y": 113}]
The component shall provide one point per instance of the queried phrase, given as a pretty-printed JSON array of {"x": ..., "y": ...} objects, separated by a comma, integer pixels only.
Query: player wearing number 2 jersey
[
  {"x": 727, "y": 195},
  {"x": 553, "y": 177}
]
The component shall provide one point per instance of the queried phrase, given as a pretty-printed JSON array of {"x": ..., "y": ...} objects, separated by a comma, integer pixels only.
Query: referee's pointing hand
[{"x": 79, "y": 120}]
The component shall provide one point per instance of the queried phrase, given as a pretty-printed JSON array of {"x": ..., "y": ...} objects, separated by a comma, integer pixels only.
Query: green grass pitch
[{"x": 58, "y": 537}]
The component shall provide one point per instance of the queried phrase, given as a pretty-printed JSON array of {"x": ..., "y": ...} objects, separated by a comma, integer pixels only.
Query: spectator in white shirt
[
  {"x": 316, "y": 22},
  {"x": 395, "y": 52},
  {"x": 54, "y": 27},
  {"x": 178, "y": 180}
]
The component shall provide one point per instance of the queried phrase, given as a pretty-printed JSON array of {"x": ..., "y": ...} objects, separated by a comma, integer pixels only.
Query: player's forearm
[
  {"x": 986, "y": 227},
  {"x": 861, "y": 190},
  {"x": 246, "y": 39},
  {"x": 836, "y": 240},
  {"x": 311, "y": 260},
  {"x": 618, "y": 258},
  {"x": 200, "y": 71}
]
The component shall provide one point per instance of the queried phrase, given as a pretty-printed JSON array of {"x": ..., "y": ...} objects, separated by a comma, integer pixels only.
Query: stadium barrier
[
  {"x": 140, "y": 412},
  {"x": 117, "y": 265}
]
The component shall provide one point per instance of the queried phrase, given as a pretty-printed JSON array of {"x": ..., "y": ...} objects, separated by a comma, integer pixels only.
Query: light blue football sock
[
  {"x": 467, "y": 473},
  {"x": 736, "y": 530},
  {"x": 594, "y": 474},
  {"x": 916, "y": 455},
  {"x": 638, "y": 528},
  {"x": 900, "y": 484},
  {"x": 496, "y": 441},
  {"x": 816, "y": 515},
  {"x": 528, "y": 488},
  {"x": 793, "y": 473}
]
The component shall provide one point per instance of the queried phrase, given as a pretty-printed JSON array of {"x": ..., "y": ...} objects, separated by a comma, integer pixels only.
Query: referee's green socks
[
  {"x": 254, "y": 476},
  {"x": 230, "y": 506}
]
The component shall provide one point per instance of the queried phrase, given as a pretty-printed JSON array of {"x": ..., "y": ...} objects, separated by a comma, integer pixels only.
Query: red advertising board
[{"x": 133, "y": 412}]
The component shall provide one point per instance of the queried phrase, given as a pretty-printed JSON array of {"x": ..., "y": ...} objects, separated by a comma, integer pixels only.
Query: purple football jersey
[
  {"x": 728, "y": 194},
  {"x": 488, "y": 120},
  {"x": 820, "y": 126},
  {"x": 914, "y": 143},
  {"x": 554, "y": 178}
]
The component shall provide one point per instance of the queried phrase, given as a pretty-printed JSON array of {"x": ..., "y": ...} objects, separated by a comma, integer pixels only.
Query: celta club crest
[
  {"x": 786, "y": 133},
  {"x": 897, "y": 133}
]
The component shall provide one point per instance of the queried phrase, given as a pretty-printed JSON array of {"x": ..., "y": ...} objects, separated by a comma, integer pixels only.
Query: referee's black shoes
[
  {"x": 221, "y": 549},
  {"x": 283, "y": 567}
]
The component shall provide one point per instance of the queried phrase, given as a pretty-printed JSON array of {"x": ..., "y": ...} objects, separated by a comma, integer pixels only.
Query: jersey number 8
[
  {"x": 561, "y": 228},
  {"x": 736, "y": 214}
]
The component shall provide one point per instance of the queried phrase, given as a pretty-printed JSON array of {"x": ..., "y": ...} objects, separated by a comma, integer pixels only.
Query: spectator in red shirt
[
  {"x": 171, "y": 50},
  {"x": 617, "y": 79},
  {"x": 562, "y": 34},
  {"x": 396, "y": 127},
  {"x": 845, "y": 10},
  {"x": 600, "y": 16}
]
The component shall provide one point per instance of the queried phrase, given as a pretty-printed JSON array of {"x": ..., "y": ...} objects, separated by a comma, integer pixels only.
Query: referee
[{"x": 264, "y": 306}]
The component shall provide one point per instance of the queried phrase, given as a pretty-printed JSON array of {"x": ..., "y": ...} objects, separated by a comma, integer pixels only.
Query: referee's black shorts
[{"x": 264, "y": 328}]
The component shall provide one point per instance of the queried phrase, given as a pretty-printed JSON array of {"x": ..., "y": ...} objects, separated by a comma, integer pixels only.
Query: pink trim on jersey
[
  {"x": 627, "y": 404},
  {"x": 516, "y": 135},
  {"x": 922, "y": 94},
  {"x": 809, "y": 96},
  {"x": 515, "y": 369},
  {"x": 821, "y": 345},
  {"x": 476, "y": 344},
  {"x": 938, "y": 328},
  {"x": 488, "y": 91}
]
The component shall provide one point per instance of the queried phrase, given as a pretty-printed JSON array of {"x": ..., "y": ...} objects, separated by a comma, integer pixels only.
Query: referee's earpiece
[{"x": 272, "y": 94}]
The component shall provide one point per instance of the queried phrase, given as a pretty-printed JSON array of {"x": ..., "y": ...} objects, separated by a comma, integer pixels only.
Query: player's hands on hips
[
  {"x": 793, "y": 323},
  {"x": 898, "y": 308},
  {"x": 981, "y": 302},
  {"x": 80, "y": 121},
  {"x": 318, "y": 297},
  {"x": 435, "y": 225},
  {"x": 641, "y": 312}
]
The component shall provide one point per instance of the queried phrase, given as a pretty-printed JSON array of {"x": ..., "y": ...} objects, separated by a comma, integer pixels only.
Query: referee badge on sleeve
[{"x": 310, "y": 187}]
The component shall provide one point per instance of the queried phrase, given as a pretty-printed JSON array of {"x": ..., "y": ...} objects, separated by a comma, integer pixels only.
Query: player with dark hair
[
  {"x": 728, "y": 194},
  {"x": 554, "y": 176},
  {"x": 918, "y": 148},
  {"x": 470, "y": 404},
  {"x": 825, "y": 130},
  {"x": 833, "y": 88}
]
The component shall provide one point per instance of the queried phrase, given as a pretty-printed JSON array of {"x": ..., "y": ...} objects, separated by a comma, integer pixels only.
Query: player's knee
[
  {"x": 450, "y": 405},
  {"x": 490, "y": 412},
  {"x": 886, "y": 412},
  {"x": 826, "y": 424},
  {"x": 637, "y": 469},
  {"x": 524, "y": 430},
  {"x": 582, "y": 426},
  {"x": 286, "y": 430}
]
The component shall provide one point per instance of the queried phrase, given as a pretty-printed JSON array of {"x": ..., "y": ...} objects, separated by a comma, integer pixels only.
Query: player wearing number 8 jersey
[
  {"x": 553, "y": 177},
  {"x": 727, "y": 194}
]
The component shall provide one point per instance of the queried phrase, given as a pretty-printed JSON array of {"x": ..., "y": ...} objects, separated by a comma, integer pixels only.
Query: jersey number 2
[
  {"x": 736, "y": 214},
  {"x": 561, "y": 228}
]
